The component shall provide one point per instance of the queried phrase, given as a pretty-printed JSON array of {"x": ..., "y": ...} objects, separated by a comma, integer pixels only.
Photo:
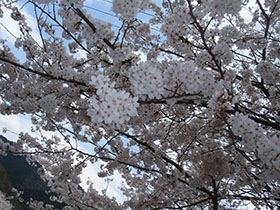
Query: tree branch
[
  {"x": 153, "y": 150},
  {"x": 90, "y": 24},
  {"x": 60, "y": 25},
  {"x": 41, "y": 73}
]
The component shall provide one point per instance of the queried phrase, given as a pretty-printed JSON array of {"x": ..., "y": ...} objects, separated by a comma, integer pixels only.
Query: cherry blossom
[
  {"x": 4, "y": 203},
  {"x": 129, "y": 8},
  {"x": 194, "y": 125}
]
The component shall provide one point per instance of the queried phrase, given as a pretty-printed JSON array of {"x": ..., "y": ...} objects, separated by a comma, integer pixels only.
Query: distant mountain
[{"x": 16, "y": 172}]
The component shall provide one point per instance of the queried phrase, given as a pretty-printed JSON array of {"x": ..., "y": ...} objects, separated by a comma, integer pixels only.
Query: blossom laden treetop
[{"x": 194, "y": 125}]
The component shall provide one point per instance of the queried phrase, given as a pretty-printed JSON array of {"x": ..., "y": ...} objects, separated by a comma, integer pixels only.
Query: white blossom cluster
[
  {"x": 175, "y": 27},
  {"x": 121, "y": 55},
  {"x": 109, "y": 105},
  {"x": 33, "y": 204},
  {"x": 156, "y": 80},
  {"x": 48, "y": 103},
  {"x": 255, "y": 138},
  {"x": 129, "y": 8},
  {"x": 268, "y": 72},
  {"x": 176, "y": 22},
  {"x": 202, "y": 80},
  {"x": 146, "y": 79},
  {"x": 222, "y": 7},
  {"x": 223, "y": 53},
  {"x": 220, "y": 101},
  {"x": 190, "y": 78},
  {"x": 4, "y": 203},
  {"x": 197, "y": 118}
]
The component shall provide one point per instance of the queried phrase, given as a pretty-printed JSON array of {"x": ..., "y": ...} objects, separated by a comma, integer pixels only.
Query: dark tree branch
[
  {"x": 176, "y": 165},
  {"x": 60, "y": 25},
  {"x": 91, "y": 25},
  {"x": 41, "y": 73},
  {"x": 202, "y": 31}
]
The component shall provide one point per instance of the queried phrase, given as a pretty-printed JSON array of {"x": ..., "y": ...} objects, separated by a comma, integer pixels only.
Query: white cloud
[
  {"x": 15, "y": 124},
  {"x": 112, "y": 188}
]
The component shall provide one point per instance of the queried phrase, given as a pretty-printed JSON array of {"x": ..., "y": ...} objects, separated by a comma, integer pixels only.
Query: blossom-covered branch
[{"x": 189, "y": 116}]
